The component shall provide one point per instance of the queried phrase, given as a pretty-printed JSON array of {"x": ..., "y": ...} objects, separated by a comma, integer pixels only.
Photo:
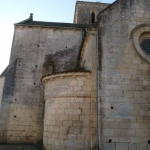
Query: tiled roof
[{"x": 30, "y": 22}]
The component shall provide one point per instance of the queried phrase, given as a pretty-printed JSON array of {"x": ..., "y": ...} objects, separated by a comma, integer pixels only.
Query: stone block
[
  {"x": 122, "y": 146},
  {"x": 124, "y": 139},
  {"x": 85, "y": 105},
  {"x": 120, "y": 132},
  {"x": 63, "y": 129},
  {"x": 58, "y": 123},
  {"x": 75, "y": 130},
  {"x": 141, "y": 11},
  {"x": 56, "y": 129},
  {"x": 135, "y": 140},
  {"x": 140, "y": 132},
  {"x": 72, "y": 136},
  {"x": 131, "y": 132},
  {"x": 109, "y": 146},
  {"x": 134, "y": 125},
  {"x": 128, "y": 94},
  {"x": 79, "y": 143},
  {"x": 86, "y": 112},
  {"x": 75, "y": 106},
  {"x": 59, "y": 142},
  {"x": 148, "y": 147},
  {"x": 142, "y": 146},
  {"x": 68, "y": 143},
  {"x": 77, "y": 111},
  {"x": 69, "y": 111},
  {"x": 133, "y": 112},
  {"x": 145, "y": 94},
  {"x": 63, "y": 106},
  {"x": 132, "y": 147},
  {"x": 51, "y": 128},
  {"x": 48, "y": 134},
  {"x": 51, "y": 111},
  {"x": 67, "y": 123},
  {"x": 62, "y": 136},
  {"x": 77, "y": 123},
  {"x": 59, "y": 111},
  {"x": 108, "y": 132},
  {"x": 73, "y": 117},
  {"x": 144, "y": 125},
  {"x": 125, "y": 125},
  {"x": 137, "y": 94},
  {"x": 81, "y": 137},
  {"x": 79, "y": 100},
  {"x": 54, "y": 135},
  {"x": 85, "y": 131},
  {"x": 51, "y": 123},
  {"x": 51, "y": 141},
  {"x": 84, "y": 117},
  {"x": 63, "y": 117},
  {"x": 93, "y": 118}
]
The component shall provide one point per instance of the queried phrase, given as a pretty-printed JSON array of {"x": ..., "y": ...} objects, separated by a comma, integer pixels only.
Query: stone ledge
[
  {"x": 63, "y": 75},
  {"x": 78, "y": 95},
  {"x": 20, "y": 147}
]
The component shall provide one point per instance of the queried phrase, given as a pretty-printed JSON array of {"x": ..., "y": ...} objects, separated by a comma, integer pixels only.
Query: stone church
[{"x": 82, "y": 85}]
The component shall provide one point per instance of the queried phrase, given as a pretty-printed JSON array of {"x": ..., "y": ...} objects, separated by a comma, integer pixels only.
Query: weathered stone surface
[
  {"x": 20, "y": 147},
  {"x": 117, "y": 88},
  {"x": 109, "y": 146},
  {"x": 132, "y": 146},
  {"x": 23, "y": 101},
  {"x": 124, "y": 76},
  {"x": 62, "y": 91}
]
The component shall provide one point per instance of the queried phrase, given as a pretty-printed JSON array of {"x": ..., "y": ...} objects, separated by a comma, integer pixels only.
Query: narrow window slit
[{"x": 93, "y": 17}]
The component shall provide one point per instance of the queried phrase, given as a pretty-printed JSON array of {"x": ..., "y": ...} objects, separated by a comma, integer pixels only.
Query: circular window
[
  {"x": 145, "y": 45},
  {"x": 141, "y": 40}
]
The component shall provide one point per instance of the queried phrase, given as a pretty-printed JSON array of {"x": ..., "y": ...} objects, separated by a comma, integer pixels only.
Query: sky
[{"x": 14, "y": 11}]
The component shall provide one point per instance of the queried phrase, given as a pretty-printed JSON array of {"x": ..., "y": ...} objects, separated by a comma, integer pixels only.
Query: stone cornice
[{"x": 63, "y": 75}]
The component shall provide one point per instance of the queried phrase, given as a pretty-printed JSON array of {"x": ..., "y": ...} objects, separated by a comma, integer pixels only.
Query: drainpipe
[{"x": 97, "y": 81}]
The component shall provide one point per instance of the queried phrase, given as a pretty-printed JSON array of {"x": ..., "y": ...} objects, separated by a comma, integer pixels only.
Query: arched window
[{"x": 93, "y": 17}]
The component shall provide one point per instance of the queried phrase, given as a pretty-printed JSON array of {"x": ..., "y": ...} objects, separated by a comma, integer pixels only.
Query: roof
[
  {"x": 85, "y": 2},
  {"x": 30, "y": 22},
  {"x": 4, "y": 72}
]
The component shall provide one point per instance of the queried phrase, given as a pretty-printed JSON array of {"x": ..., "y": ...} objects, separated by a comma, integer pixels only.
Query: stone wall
[
  {"x": 90, "y": 62},
  {"x": 84, "y": 10},
  {"x": 124, "y": 78},
  {"x": 67, "y": 120},
  {"x": 22, "y": 111}
]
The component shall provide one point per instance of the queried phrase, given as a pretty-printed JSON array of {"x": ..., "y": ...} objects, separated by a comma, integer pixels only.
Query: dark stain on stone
[{"x": 9, "y": 81}]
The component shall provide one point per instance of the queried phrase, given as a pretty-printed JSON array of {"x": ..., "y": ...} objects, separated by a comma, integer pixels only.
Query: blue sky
[{"x": 13, "y": 11}]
